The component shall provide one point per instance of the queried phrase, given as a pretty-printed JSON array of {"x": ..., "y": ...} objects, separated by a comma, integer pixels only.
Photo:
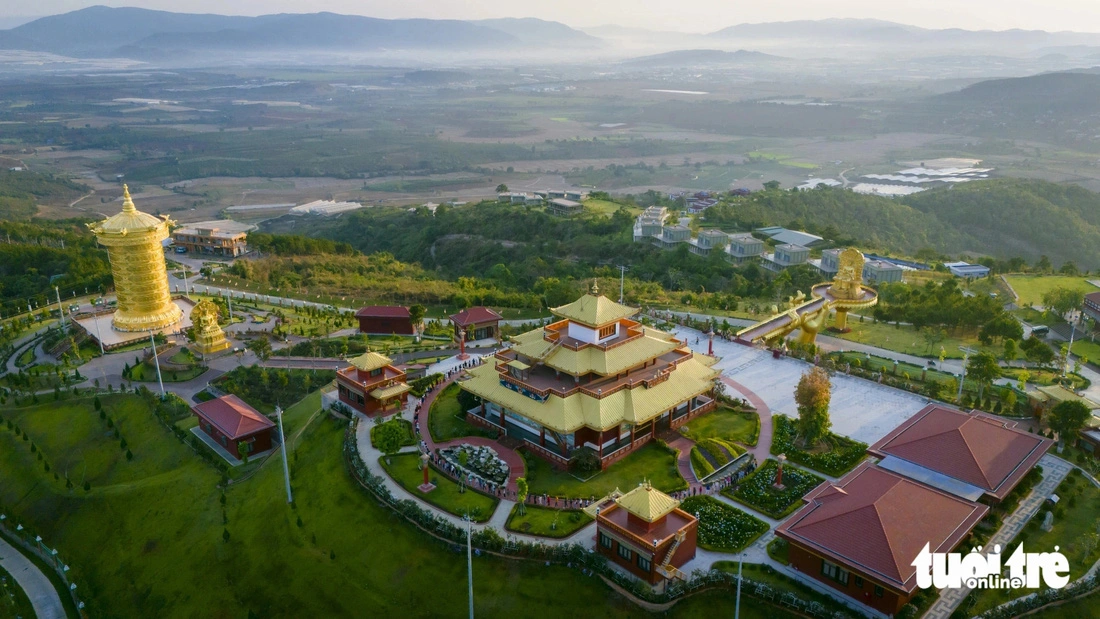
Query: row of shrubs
[
  {"x": 844, "y": 453},
  {"x": 575, "y": 556}
]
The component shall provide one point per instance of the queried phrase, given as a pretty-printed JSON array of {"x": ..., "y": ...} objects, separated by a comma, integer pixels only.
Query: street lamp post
[
  {"x": 737, "y": 604},
  {"x": 962, "y": 377},
  {"x": 156, "y": 361},
  {"x": 470, "y": 561},
  {"x": 60, "y": 309},
  {"x": 286, "y": 466}
]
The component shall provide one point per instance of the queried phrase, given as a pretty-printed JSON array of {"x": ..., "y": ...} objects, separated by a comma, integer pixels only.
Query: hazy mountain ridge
[{"x": 106, "y": 31}]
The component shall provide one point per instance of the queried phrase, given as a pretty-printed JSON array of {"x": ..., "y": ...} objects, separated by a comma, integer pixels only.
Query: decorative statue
[{"x": 209, "y": 337}]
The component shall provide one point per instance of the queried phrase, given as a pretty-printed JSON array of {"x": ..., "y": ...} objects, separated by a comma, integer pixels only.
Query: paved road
[
  {"x": 1054, "y": 471},
  {"x": 43, "y": 596}
]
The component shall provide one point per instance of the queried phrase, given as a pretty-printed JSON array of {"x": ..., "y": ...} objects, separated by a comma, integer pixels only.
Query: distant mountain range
[
  {"x": 142, "y": 33},
  {"x": 894, "y": 35},
  {"x": 697, "y": 57}
]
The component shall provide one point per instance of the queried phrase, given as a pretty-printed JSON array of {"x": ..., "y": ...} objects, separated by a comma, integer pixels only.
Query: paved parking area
[{"x": 860, "y": 409}]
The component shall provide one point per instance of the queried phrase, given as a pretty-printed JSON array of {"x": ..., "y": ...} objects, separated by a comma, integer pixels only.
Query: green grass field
[
  {"x": 540, "y": 521},
  {"x": 606, "y": 207},
  {"x": 724, "y": 423},
  {"x": 905, "y": 339},
  {"x": 404, "y": 469},
  {"x": 1031, "y": 288},
  {"x": 651, "y": 462},
  {"x": 149, "y": 530},
  {"x": 444, "y": 420},
  {"x": 144, "y": 373}
]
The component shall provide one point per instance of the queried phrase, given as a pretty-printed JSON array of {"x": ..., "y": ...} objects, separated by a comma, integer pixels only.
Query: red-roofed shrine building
[
  {"x": 937, "y": 475},
  {"x": 948, "y": 448},
  {"x": 480, "y": 323},
  {"x": 645, "y": 532},
  {"x": 385, "y": 320},
  {"x": 861, "y": 534},
  {"x": 237, "y": 427}
]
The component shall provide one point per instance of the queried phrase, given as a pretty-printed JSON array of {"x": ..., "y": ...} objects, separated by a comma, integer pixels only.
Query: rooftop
[
  {"x": 233, "y": 416},
  {"x": 647, "y": 502},
  {"x": 383, "y": 311},
  {"x": 370, "y": 361},
  {"x": 594, "y": 310},
  {"x": 982, "y": 451},
  {"x": 877, "y": 522},
  {"x": 129, "y": 220},
  {"x": 475, "y": 315}
]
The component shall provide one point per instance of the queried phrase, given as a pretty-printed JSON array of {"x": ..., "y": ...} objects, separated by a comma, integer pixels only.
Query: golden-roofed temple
[
  {"x": 209, "y": 337},
  {"x": 646, "y": 532},
  {"x": 596, "y": 379},
  {"x": 371, "y": 383},
  {"x": 133, "y": 242}
]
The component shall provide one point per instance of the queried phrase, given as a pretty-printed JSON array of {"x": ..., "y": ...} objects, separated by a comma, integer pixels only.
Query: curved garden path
[
  {"x": 39, "y": 589},
  {"x": 516, "y": 466},
  {"x": 764, "y": 441}
]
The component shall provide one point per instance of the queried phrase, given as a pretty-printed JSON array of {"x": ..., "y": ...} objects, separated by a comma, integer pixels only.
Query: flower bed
[
  {"x": 723, "y": 528},
  {"x": 844, "y": 453},
  {"x": 481, "y": 461},
  {"x": 757, "y": 490}
]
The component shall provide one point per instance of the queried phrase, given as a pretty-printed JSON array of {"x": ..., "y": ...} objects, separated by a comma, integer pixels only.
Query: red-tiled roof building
[
  {"x": 385, "y": 320},
  {"x": 480, "y": 323},
  {"x": 948, "y": 448},
  {"x": 234, "y": 425},
  {"x": 861, "y": 534}
]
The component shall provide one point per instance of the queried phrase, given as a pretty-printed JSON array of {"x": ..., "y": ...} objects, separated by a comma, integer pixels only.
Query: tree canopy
[
  {"x": 1067, "y": 417},
  {"x": 812, "y": 396}
]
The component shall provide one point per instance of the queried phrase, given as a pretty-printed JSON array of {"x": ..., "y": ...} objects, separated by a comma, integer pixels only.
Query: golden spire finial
[
  {"x": 595, "y": 287},
  {"x": 127, "y": 202}
]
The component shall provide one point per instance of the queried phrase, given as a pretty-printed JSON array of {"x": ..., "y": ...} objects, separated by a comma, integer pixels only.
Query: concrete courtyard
[{"x": 860, "y": 409}]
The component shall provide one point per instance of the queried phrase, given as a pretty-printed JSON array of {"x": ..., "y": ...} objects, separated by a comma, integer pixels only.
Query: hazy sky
[{"x": 684, "y": 15}]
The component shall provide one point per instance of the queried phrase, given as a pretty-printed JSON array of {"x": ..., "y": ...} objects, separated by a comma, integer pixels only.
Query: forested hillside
[
  {"x": 20, "y": 191},
  {"x": 32, "y": 253},
  {"x": 1026, "y": 218}
]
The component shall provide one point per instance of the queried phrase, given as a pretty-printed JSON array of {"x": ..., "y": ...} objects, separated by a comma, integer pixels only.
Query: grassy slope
[{"x": 151, "y": 529}]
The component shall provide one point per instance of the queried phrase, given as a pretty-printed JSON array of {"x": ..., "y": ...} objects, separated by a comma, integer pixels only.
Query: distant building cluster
[
  {"x": 222, "y": 237},
  {"x": 922, "y": 175},
  {"x": 695, "y": 202},
  {"x": 324, "y": 207},
  {"x": 564, "y": 202},
  {"x": 793, "y": 247}
]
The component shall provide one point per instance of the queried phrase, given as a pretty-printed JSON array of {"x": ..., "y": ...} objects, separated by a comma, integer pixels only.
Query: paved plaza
[{"x": 860, "y": 409}]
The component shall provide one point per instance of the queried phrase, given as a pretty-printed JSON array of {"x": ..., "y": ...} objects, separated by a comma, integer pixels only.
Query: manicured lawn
[
  {"x": 539, "y": 520},
  {"x": 406, "y": 425},
  {"x": 1036, "y": 317},
  {"x": 711, "y": 454},
  {"x": 403, "y": 468},
  {"x": 150, "y": 529},
  {"x": 447, "y": 420},
  {"x": 147, "y": 374},
  {"x": 842, "y": 455},
  {"x": 907, "y": 340},
  {"x": 757, "y": 490},
  {"x": 1084, "y": 607},
  {"x": 1045, "y": 377},
  {"x": 652, "y": 462},
  {"x": 721, "y": 527},
  {"x": 725, "y": 423},
  {"x": 1073, "y": 525},
  {"x": 605, "y": 207},
  {"x": 1031, "y": 288}
]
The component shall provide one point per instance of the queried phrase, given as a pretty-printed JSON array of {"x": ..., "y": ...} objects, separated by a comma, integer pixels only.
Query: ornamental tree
[
  {"x": 983, "y": 368},
  {"x": 1067, "y": 417},
  {"x": 389, "y": 438},
  {"x": 812, "y": 396}
]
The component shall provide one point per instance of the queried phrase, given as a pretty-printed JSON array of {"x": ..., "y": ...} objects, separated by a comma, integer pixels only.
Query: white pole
[
  {"x": 470, "y": 563},
  {"x": 156, "y": 361},
  {"x": 62, "y": 309},
  {"x": 98, "y": 334},
  {"x": 737, "y": 605},
  {"x": 1069, "y": 349},
  {"x": 286, "y": 467}
]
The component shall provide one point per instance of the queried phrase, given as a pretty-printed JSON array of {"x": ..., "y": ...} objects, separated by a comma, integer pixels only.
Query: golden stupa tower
[{"x": 133, "y": 242}]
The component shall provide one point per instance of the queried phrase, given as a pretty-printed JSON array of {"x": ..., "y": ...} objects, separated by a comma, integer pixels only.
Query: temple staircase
[{"x": 666, "y": 569}]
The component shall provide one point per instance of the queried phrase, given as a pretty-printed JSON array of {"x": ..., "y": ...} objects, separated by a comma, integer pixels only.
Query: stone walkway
[
  {"x": 1054, "y": 471},
  {"x": 516, "y": 466},
  {"x": 763, "y": 442},
  {"x": 585, "y": 536},
  {"x": 39, "y": 589}
]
